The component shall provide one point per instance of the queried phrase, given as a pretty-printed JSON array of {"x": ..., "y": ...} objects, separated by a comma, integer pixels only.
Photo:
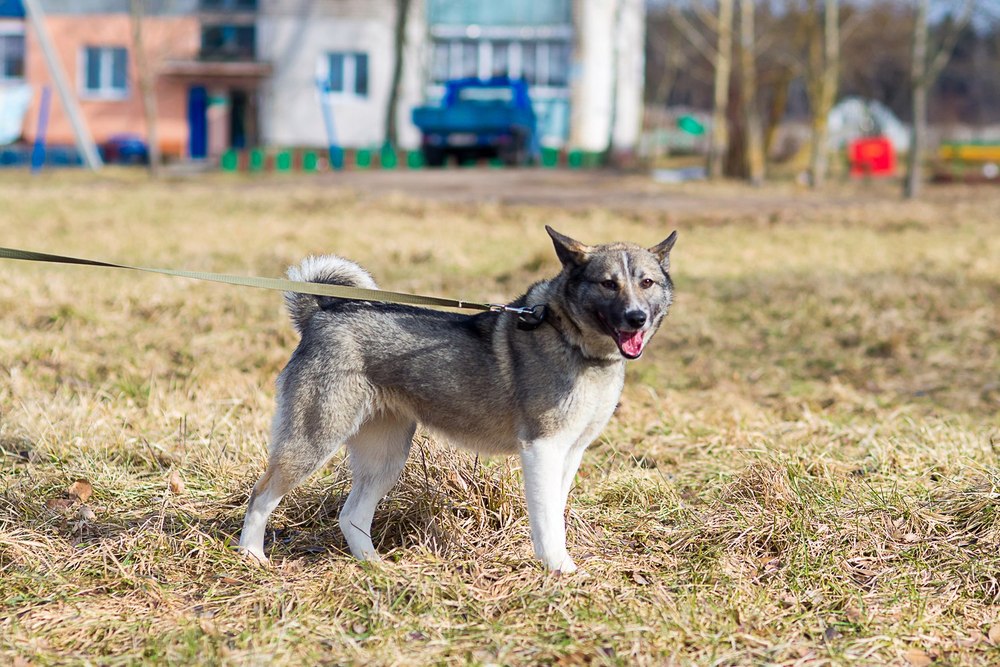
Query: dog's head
[{"x": 616, "y": 294}]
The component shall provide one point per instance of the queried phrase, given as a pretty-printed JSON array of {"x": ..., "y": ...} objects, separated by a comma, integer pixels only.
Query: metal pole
[
  {"x": 84, "y": 142},
  {"x": 336, "y": 153},
  {"x": 38, "y": 152}
]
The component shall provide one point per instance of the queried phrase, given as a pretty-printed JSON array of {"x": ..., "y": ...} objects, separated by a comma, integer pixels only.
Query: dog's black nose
[{"x": 636, "y": 318}]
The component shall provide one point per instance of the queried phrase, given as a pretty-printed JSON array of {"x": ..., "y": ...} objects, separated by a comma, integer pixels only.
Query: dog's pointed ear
[
  {"x": 662, "y": 250},
  {"x": 569, "y": 251}
]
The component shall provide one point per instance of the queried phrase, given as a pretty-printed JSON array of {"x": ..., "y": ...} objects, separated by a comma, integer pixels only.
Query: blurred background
[{"x": 749, "y": 89}]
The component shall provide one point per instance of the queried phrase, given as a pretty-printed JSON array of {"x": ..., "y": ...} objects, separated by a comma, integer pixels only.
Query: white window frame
[
  {"x": 542, "y": 61},
  {"x": 106, "y": 91},
  {"x": 350, "y": 90},
  {"x": 14, "y": 32}
]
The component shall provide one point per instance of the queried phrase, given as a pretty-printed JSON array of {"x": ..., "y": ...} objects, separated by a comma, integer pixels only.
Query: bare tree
[
  {"x": 824, "y": 70},
  {"x": 753, "y": 134},
  {"x": 664, "y": 60},
  {"x": 925, "y": 69},
  {"x": 145, "y": 78},
  {"x": 399, "y": 38},
  {"x": 720, "y": 56}
]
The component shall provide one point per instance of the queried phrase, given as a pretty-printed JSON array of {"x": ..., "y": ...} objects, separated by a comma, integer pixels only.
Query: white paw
[
  {"x": 562, "y": 565},
  {"x": 254, "y": 556},
  {"x": 568, "y": 567}
]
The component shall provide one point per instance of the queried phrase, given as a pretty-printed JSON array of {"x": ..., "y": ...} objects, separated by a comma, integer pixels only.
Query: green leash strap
[{"x": 319, "y": 289}]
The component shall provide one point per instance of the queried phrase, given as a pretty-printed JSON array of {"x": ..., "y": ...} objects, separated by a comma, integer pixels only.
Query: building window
[
  {"x": 228, "y": 42},
  {"x": 105, "y": 72},
  {"x": 228, "y": 5},
  {"x": 540, "y": 62},
  {"x": 11, "y": 57},
  {"x": 347, "y": 73}
]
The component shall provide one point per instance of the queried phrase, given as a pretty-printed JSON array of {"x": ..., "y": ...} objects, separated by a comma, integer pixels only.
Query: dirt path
[{"x": 584, "y": 189}]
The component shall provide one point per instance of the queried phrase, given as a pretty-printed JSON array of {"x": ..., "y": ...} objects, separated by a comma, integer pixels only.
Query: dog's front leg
[{"x": 542, "y": 463}]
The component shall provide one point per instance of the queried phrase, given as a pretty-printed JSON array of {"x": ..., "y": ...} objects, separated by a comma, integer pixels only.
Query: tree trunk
[
  {"x": 145, "y": 79},
  {"x": 918, "y": 78},
  {"x": 922, "y": 75},
  {"x": 723, "y": 68},
  {"x": 391, "y": 130},
  {"x": 776, "y": 110},
  {"x": 824, "y": 71},
  {"x": 748, "y": 85}
]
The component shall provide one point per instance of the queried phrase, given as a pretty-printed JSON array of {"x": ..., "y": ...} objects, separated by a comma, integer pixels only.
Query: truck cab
[{"x": 479, "y": 118}]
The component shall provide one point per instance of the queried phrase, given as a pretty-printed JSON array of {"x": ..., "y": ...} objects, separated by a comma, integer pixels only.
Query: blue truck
[{"x": 479, "y": 118}]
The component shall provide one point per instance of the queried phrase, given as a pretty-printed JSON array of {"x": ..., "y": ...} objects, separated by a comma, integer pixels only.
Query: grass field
[{"x": 803, "y": 469}]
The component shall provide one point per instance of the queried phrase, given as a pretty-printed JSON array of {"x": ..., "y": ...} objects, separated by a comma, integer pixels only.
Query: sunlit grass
[{"x": 803, "y": 469}]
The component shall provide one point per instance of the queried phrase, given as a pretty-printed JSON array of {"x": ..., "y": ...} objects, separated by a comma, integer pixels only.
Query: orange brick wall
[{"x": 165, "y": 38}]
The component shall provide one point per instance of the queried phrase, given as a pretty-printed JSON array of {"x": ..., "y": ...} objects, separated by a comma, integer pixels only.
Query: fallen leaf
[
  {"x": 291, "y": 566},
  {"x": 359, "y": 628},
  {"x": 81, "y": 489},
  {"x": 640, "y": 579},
  {"x": 994, "y": 634},
  {"x": 86, "y": 514},
  {"x": 175, "y": 483},
  {"x": 58, "y": 504},
  {"x": 917, "y": 658}
]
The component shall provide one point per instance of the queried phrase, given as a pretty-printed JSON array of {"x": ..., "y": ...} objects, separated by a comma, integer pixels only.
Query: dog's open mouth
[{"x": 630, "y": 343}]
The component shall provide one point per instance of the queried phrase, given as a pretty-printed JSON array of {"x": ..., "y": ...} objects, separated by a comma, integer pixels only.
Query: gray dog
[{"x": 366, "y": 373}]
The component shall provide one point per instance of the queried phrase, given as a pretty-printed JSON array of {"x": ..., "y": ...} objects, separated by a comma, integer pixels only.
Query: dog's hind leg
[
  {"x": 376, "y": 454},
  {"x": 283, "y": 474},
  {"x": 307, "y": 432}
]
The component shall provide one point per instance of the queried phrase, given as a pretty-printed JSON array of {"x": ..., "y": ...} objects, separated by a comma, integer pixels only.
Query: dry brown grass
[{"x": 803, "y": 470}]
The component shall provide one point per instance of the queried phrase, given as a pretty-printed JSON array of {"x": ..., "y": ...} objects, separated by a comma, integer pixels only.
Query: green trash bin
[
  {"x": 414, "y": 159},
  {"x": 310, "y": 161},
  {"x": 256, "y": 160},
  {"x": 283, "y": 161},
  {"x": 387, "y": 158},
  {"x": 550, "y": 158},
  {"x": 575, "y": 159},
  {"x": 230, "y": 161},
  {"x": 363, "y": 158}
]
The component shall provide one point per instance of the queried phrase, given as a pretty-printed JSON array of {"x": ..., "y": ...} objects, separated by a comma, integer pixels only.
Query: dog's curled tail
[{"x": 327, "y": 269}]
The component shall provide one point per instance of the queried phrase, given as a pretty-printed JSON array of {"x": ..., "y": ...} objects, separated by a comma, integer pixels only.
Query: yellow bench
[{"x": 970, "y": 152}]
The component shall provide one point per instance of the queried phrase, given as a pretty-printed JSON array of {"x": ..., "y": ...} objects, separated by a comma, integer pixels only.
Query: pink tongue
[{"x": 630, "y": 342}]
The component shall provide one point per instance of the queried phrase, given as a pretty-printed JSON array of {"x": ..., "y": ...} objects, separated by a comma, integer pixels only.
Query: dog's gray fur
[{"x": 364, "y": 374}]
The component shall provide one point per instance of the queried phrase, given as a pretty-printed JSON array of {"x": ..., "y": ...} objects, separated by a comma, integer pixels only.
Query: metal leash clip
[{"x": 528, "y": 317}]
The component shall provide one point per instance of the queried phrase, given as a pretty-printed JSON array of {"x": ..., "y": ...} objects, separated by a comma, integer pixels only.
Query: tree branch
[
  {"x": 948, "y": 42},
  {"x": 693, "y": 36},
  {"x": 706, "y": 17}
]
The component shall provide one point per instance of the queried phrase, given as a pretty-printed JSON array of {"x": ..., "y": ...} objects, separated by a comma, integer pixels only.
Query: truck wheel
[
  {"x": 517, "y": 154},
  {"x": 434, "y": 157}
]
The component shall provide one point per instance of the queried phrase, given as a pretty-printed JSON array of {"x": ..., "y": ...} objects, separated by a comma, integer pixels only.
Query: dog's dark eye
[
  {"x": 646, "y": 283},
  {"x": 610, "y": 284}
]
